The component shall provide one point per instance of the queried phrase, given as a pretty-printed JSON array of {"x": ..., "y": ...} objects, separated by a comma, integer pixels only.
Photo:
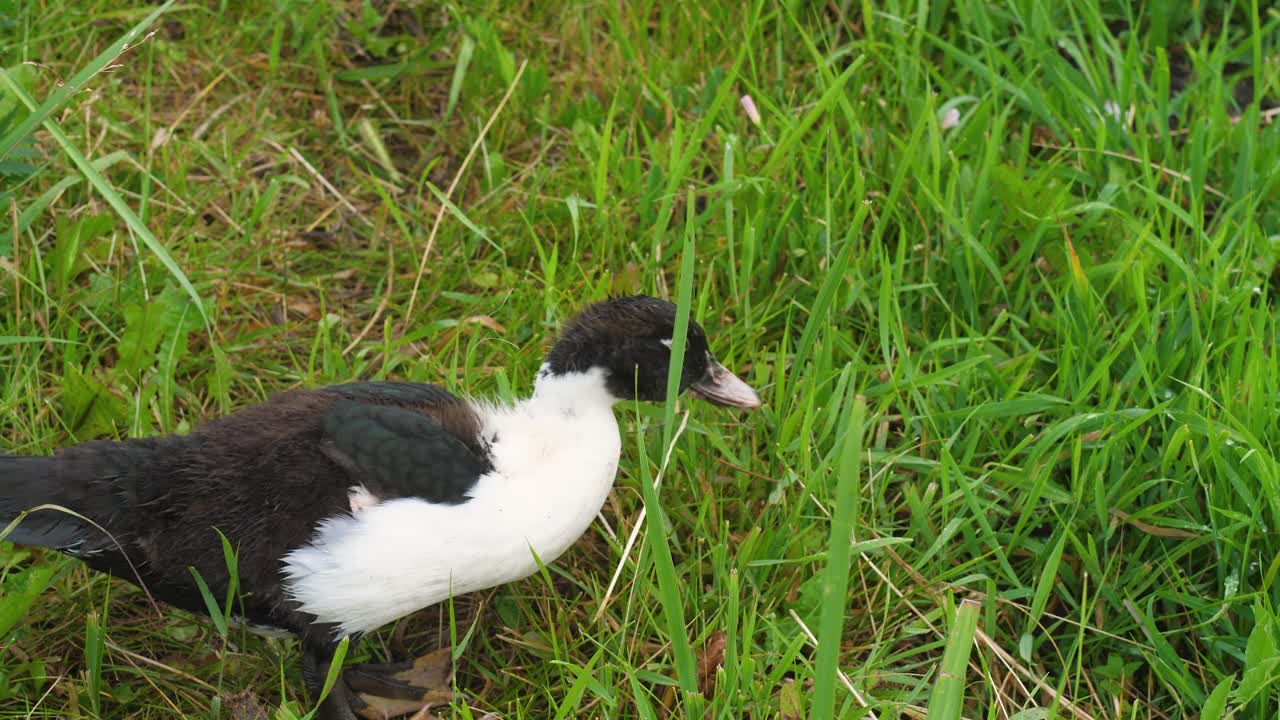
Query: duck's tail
[
  {"x": 25, "y": 485},
  {"x": 56, "y": 501}
]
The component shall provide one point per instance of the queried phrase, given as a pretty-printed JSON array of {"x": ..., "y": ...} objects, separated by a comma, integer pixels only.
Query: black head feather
[{"x": 629, "y": 338}]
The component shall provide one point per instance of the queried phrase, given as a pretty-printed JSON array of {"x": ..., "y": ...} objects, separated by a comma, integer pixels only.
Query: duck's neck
[{"x": 570, "y": 393}]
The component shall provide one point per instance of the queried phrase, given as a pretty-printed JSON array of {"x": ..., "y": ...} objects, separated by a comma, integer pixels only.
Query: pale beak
[{"x": 723, "y": 388}]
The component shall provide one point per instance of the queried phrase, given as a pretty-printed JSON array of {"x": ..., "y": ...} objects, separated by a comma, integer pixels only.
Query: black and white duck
[{"x": 354, "y": 505}]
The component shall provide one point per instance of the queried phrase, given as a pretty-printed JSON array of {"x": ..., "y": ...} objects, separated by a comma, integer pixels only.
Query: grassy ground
[{"x": 1039, "y": 238}]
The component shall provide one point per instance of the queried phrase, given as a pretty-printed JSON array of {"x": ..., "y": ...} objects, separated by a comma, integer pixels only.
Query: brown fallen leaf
[
  {"x": 244, "y": 705},
  {"x": 1150, "y": 529},
  {"x": 1042, "y": 134},
  {"x": 488, "y": 322},
  {"x": 415, "y": 689},
  {"x": 711, "y": 659},
  {"x": 308, "y": 310}
]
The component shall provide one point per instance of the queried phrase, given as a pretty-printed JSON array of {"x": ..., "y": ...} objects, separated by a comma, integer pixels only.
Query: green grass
[{"x": 1059, "y": 320}]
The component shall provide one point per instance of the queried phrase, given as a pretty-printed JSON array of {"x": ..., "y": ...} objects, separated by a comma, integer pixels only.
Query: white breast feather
[{"x": 554, "y": 462}]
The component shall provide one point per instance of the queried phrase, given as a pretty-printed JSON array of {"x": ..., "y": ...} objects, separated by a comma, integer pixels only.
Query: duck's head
[{"x": 628, "y": 340}]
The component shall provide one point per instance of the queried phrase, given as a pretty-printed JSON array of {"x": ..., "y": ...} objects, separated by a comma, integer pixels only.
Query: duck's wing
[
  {"x": 394, "y": 392},
  {"x": 399, "y": 439}
]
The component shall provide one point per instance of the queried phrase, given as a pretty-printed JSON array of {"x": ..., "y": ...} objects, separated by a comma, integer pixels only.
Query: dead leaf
[
  {"x": 160, "y": 137},
  {"x": 488, "y": 322},
  {"x": 418, "y": 687},
  {"x": 1156, "y": 530},
  {"x": 1042, "y": 135},
  {"x": 304, "y": 308},
  {"x": 244, "y": 705},
  {"x": 710, "y": 660}
]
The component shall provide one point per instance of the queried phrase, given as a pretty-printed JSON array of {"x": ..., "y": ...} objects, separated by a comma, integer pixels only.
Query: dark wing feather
[
  {"x": 391, "y": 392},
  {"x": 399, "y": 452}
]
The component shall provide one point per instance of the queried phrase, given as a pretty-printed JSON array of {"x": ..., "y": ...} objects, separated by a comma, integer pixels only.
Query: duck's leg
[
  {"x": 369, "y": 691},
  {"x": 395, "y": 689},
  {"x": 317, "y": 657}
]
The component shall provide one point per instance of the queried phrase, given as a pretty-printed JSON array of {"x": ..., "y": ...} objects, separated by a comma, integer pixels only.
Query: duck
[{"x": 350, "y": 506}]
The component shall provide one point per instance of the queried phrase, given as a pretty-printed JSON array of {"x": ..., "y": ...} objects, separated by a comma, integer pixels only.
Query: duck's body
[
  {"x": 354, "y": 505},
  {"x": 552, "y": 462}
]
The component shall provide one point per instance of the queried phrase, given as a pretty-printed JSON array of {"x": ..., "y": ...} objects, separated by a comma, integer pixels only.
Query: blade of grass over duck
[{"x": 669, "y": 584}]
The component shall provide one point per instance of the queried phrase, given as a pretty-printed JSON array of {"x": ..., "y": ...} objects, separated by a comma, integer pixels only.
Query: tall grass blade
[
  {"x": 669, "y": 585},
  {"x": 947, "y": 700},
  {"x": 835, "y": 581}
]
